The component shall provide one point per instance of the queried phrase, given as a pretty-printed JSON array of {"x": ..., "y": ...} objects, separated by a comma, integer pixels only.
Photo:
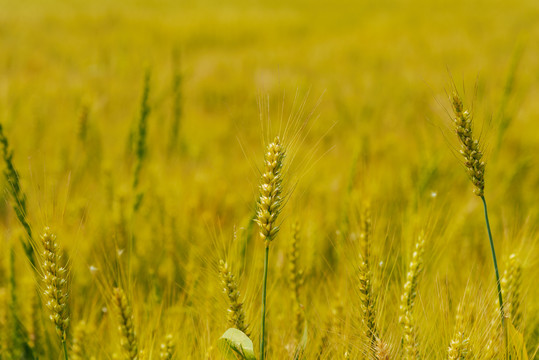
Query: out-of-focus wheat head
[
  {"x": 236, "y": 315},
  {"x": 406, "y": 318},
  {"x": 126, "y": 327},
  {"x": 367, "y": 300},
  {"x": 166, "y": 351},
  {"x": 459, "y": 345},
  {"x": 511, "y": 283},
  {"x": 295, "y": 280}
]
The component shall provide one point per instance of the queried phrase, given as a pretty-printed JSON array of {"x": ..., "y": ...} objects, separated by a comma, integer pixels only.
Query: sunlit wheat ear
[
  {"x": 459, "y": 347},
  {"x": 166, "y": 351},
  {"x": 295, "y": 280},
  {"x": 475, "y": 166},
  {"x": 511, "y": 284},
  {"x": 365, "y": 277},
  {"x": 124, "y": 314},
  {"x": 270, "y": 201},
  {"x": 381, "y": 350},
  {"x": 55, "y": 281},
  {"x": 270, "y": 204},
  {"x": 406, "y": 318},
  {"x": 236, "y": 315}
]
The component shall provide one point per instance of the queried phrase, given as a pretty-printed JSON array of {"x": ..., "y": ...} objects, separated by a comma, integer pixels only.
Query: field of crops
[{"x": 269, "y": 179}]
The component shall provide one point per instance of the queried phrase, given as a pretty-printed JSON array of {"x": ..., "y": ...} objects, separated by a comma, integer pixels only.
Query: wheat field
[{"x": 269, "y": 179}]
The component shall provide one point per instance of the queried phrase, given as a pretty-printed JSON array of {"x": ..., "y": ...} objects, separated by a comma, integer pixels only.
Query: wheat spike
[
  {"x": 270, "y": 201},
  {"x": 55, "y": 280},
  {"x": 295, "y": 280},
  {"x": 167, "y": 348},
  {"x": 126, "y": 327},
  {"x": 236, "y": 315},
  {"x": 511, "y": 283},
  {"x": 406, "y": 318},
  {"x": 469, "y": 146},
  {"x": 459, "y": 345},
  {"x": 365, "y": 277},
  {"x": 381, "y": 350}
]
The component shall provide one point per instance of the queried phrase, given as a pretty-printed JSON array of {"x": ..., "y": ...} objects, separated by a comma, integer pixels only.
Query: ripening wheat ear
[
  {"x": 55, "y": 282},
  {"x": 80, "y": 338},
  {"x": 381, "y": 350},
  {"x": 295, "y": 281},
  {"x": 236, "y": 315},
  {"x": 125, "y": 319},
  {"x": 166, "y": 351},
  {"x": 270, "y": 201},
  {"x": 473, "y": 157},
  {"x": 459, "y": 347},
  {"x": 475, "y": 167},
  {"x": 365, "y": 277},
  {"x": 406, "y": 318},
  {"x": 511, "y": 284},
  {"x": 270, "y": 204},
  {"x": 19, "y": 197}
]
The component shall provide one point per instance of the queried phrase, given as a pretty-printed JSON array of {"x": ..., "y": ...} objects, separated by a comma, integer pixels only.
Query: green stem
[
  {"x": 500, "y": 300},
  {"x": 64, "y": 343},
  {"x": 263, "y": 331}
]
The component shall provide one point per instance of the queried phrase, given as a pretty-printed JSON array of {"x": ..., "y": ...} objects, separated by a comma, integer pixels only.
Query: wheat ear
[
  {"x": 19, "y": 197},
  {"x": 295, "y": 280},
  {"x": 459, "y": 345},
  {"x": 236, "y": 315},
  {"x": 167, "y": 348},
  {"x": 55, "y": 281},
  {"x": 511, "y": 284},
  {"x": 126, "y": 327},
  {"x": 269, "y": 206},
  {"x": 406, "y": 318},
  {"x": 381, "y": 350},
  {"x": 365, "y": 277}
]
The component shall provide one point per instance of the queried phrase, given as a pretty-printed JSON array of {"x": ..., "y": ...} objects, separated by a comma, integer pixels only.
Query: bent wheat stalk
[{"x": 475, "y": 167}]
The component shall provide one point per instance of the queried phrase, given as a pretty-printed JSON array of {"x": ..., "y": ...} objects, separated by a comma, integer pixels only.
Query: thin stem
[
  {"x": 263, "y": 332},
  {"x": 500, "y": 300},
  {"x": 64, "y": 343}
]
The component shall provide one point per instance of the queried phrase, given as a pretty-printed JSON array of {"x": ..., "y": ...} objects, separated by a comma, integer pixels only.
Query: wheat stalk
[
  {"x": 269, "y": 206},
  {"x": 475, "y": 167}
]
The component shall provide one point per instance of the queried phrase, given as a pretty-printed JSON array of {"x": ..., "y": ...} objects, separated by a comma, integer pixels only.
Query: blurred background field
[{"x": 374, "y": 74}]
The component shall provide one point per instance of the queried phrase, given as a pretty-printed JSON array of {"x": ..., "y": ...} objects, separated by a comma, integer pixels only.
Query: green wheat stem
[
  {"x": 263, "y": 332},
  {"x": 498, "y": 284},
  {"x": 64, "y": 343}
]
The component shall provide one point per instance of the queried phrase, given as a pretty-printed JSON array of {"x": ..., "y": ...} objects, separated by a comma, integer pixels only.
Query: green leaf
[
  {"x": 517, "y": 346},
  {"x": 235, "y": 345}
]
